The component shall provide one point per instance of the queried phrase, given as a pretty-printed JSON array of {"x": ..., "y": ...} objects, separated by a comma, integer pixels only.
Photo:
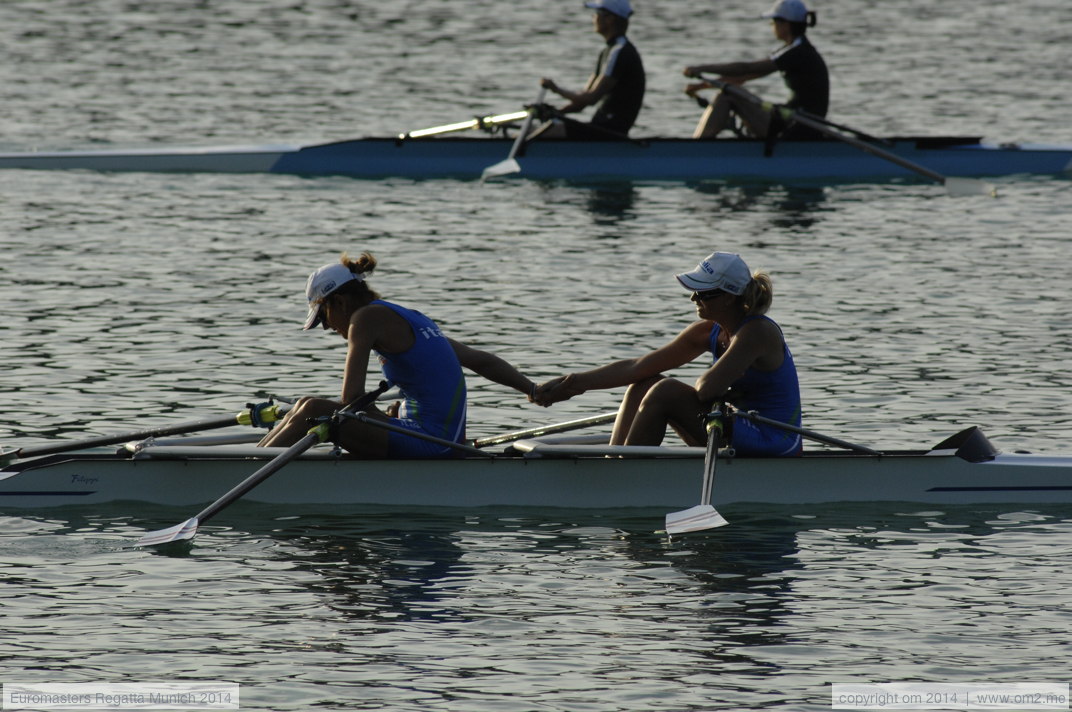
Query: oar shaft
[
  {"x": 546, "y": 430},
  {"x": 257, "y": 477},
  {"x": 178, "y": 429},
  {"x": 482, "y": 122},
  {"x": 714, "y": 435},
  {"x": 870, "y": 148},
  {"x": 188, "y": 529},
  {"x": 757, "y": 418},
  {"x": 823, "y": 127},
  {"x": 365, "y": 418},
  {"x": 524, "y": 132}
]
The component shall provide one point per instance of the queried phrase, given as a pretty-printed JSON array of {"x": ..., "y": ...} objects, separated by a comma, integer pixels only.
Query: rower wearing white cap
[
  {"x": 802, "y": 68},
  {"x": 616, "y": 88},
  {"x": 415, "y": 356},
  {"x": 753, "y": 368}
]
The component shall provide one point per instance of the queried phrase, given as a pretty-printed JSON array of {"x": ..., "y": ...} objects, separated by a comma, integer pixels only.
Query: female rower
[
  {"x": 801, "y": 66},
  {"x": 752, "y": 369},
  {"x": 415, "y": 356}
]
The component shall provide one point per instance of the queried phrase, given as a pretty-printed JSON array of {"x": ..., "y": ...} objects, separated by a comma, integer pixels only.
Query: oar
[
  {"x": 254, "y": 415},
  {"x": 954, "y": 185},
  {"x": 482, "y": 122},
  {"x": 704, "y": 103},
  {"x": 757, "y": 418},
  {"x": 461, "y": 447},
  {"x": 546, "y": 430},
  {"x": 188, "y": 529},
  {"x": 704, "y": 515},
  {"x": 510, "y": 165}
]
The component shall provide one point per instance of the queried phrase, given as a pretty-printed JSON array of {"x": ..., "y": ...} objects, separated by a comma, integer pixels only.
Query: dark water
[{"x": 136, "y": 300}]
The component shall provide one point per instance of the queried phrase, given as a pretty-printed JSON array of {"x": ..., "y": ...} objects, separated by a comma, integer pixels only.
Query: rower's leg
[
  {"x": 716, "y": 117},
  {"x": 549, "y": 129},
  {"x": 668, "y": 403},
  {"x": 627, "y": 411},
  {"x": 756, "y": 119}
]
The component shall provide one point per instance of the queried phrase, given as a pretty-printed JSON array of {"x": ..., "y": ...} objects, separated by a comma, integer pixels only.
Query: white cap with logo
[
  {"x": 720, "y": 270},
  {"x": 322, "y": 283},
  {"x": 788, "y": 10},
  {"x": 621, "y": 8}
]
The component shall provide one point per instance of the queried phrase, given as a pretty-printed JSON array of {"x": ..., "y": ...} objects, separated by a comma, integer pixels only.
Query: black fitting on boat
[{"x": 970, "y": 445}]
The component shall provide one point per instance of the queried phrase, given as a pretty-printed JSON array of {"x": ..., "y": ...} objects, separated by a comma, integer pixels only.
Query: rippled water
[{"x": 131, "y": 300}]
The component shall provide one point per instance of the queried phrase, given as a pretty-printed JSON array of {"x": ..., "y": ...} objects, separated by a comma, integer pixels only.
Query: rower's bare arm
[
  {"x": 596, "y": 88},
  {"x": 364, "y": 330},
  {"x": 684, "y": 348},
  {"x": 736, "y": 72},
  {"x": 492, "y": 367}
]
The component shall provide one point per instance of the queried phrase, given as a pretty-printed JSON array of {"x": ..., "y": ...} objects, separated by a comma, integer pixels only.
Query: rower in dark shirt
[
  {"x": 801, "y": 66},
  {"x": 616, "y": 88}
]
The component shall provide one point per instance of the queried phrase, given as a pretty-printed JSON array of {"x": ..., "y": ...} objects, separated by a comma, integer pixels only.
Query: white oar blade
[
  {"x": 179, "y": 532},
  {"x": 502, "y": 168},
  {"x": 694, "y": 519},
  {"x": 960, "y": 187}
]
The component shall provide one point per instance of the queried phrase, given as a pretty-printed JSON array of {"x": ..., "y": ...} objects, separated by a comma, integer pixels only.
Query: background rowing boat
[{"x": 131, "y": 300}]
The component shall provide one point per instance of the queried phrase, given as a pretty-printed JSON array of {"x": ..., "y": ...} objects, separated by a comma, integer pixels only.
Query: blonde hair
[
  {"x": 758, "y": 295},
  {"x": 364, "y": 264},
  {"x": 357, "y": 292}
]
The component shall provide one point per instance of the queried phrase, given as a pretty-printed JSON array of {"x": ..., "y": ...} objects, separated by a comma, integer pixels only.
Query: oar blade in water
[
  {"x": 959, "y": 187},
  {"x": 179, "y": 532},
  {"x": 694, "y": 519},
  {"x": 502, "y": 168}
]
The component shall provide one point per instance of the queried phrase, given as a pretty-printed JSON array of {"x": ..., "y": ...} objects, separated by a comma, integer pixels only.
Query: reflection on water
[
  {"x": 791, "y": 207},
  {"x": 578, "y": 606},
  {"x": 612, "y": 204}
]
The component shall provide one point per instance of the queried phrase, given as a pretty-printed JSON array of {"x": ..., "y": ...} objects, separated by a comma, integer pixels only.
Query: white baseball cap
[
  {"x": 788, "y": 10},
  {"x": 621, "y": 8},
  {"x": 322, "y": 283},
  {"x": 720, "y": 270}
]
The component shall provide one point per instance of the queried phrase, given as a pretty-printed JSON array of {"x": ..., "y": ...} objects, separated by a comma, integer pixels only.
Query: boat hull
[
  {"x": 191, "y": 478},
  {"x": 655, "y": 159}
]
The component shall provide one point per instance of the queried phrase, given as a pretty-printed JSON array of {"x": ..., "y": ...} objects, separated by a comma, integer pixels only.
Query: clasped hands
[{"x": 556, "y": 390}]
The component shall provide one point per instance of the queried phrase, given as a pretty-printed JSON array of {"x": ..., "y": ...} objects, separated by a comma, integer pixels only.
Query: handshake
[{"x": 555, "y": 390}]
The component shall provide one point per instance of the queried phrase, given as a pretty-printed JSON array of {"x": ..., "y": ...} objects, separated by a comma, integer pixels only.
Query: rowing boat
[
  {"x": 548, "y": 472},
  {"x": 651, "y": 159}
]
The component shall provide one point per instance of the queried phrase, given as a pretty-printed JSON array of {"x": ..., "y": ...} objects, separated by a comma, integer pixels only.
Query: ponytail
[
  {"x": 758, "y": 295},
  {"x": 358, "y": 290}
]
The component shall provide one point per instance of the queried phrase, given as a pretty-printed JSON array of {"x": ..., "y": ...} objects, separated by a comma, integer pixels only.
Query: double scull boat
[
  {"x": 649, "y": 159},
  {"x": 549, "y": 472}
]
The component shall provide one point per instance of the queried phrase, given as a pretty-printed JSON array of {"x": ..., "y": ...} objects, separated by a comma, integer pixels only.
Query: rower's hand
[
  {"x": 691, "y": 71},
  {"x": 392, "y": 410},
  {"x": 556, "y": 390},
  {"x": 550, "y": 85},
  {"x": 691, "y": 89}
]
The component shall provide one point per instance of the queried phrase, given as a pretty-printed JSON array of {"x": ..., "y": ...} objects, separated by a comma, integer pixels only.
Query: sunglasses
[{"x": 705, "y": 296}]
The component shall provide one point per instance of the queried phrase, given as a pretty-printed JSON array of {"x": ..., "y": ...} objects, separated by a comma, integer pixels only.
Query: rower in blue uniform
[
  {"x": 616, "y": 88},
  {"x": 752, "y": 369},
  {"x": 802, "y": 68},
  {"x": 415, "y": 356}
]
